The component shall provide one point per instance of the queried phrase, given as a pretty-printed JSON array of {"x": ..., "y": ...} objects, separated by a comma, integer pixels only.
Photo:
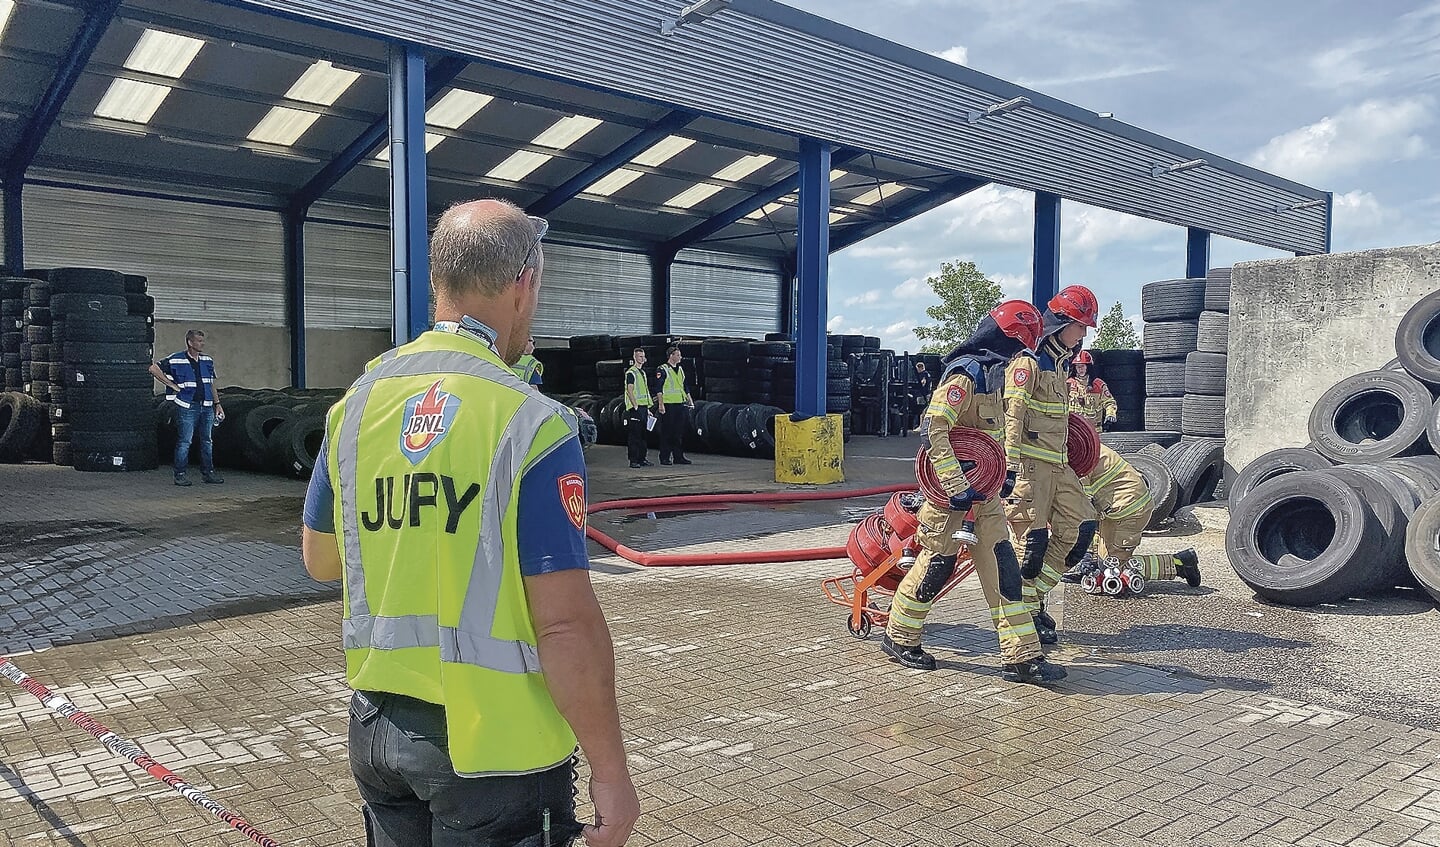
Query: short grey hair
[
  {"x": 192, "y": 334},
  {"x": 473, "y": 253}
]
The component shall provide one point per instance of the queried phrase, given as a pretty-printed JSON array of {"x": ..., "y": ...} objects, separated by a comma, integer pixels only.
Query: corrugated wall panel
[
  {"x": 586, "y": 289},
  {"x": 205, "y": 263},
  {"x": 711, "y": 294},
  {"x": 347, "y": 276}
]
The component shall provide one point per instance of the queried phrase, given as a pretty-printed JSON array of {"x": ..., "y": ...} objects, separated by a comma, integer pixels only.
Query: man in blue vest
[
  {"x": 189, "y": 378},
  {"x": 451, "y": 499}
]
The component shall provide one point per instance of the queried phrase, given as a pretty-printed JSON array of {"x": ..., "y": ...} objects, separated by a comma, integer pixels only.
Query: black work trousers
[
  {"x": 635, "y": 420},
  {"x": 399, "y": 755},
  {"x": 673, "y": 425}
]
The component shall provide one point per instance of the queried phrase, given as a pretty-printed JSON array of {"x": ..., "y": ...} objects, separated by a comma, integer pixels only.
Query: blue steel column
[
  {"x": 409, "y": 245},
  {"x": 14, "y": 229},
  {"x": 293, "y": 222},
  {"x": 1045, "y": 283},
  {"x": 813, "y": 268},
  {"x": 1197, "y": 253},
  {"x": 1329, "y": 218},
  {"x": 661, "y": 261}
]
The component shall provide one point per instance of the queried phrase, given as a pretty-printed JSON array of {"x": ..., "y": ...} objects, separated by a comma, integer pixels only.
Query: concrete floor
[{"x": 181, "y": 618}]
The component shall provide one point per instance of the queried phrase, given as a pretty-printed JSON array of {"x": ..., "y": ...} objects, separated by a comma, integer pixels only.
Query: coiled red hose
[
  {"x": 744, "y": 557},
  {"x": 1082, "y": 446},
  {"x": 970, "y": 445},
  {"x": 903, "y": 522}
]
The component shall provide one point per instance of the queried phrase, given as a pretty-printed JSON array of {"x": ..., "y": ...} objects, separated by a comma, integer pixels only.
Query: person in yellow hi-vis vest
[
  {"x": 638, "y": 401},
  {"x": 970, "y": 395},
  {"x": 1124, "y": 504},
  {"x": 529, "y": 368},
  {"x": 674, "y": 405},
  {"x": 450, "y": 498},
  {"x": 1052, "y": 519}
]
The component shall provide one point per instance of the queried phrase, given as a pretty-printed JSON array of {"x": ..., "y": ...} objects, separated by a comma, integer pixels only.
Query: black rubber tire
[
  {"x": 1391, "y": 502},
  {"x": 1371, "y": 416},
  {"x": 106, "y": 332},
  {"x": 37, "y": 294},
  {"x": 1304, "y": 538},
  {"x": 108, "y": 374},
  {"x": 115, "y": 461},
  {"x": 255, "y": 430},
  {"x": 140, "y": 304},
  {"x": 36, "y": 335},
  {"x": 1432, "y": 427},
  {"x": 1171, "y": 339},
  {"x": 1163, "y": 414},
  {"x": 1267, "y": 466},
  {"x": 1198, "y": 465},
  {"x": 1217, "y": 290},
  {"x": 136, "y": 284},
  {"x": 39, "y": 389},
  {"x": 1417, "y": 340},
  {"x": 835, "y": 387},
  {"x": 1202, "y": 415},
  {"x": 1125, "y": 443},
  {"x": 1127, "y": 386},
  {"x": 1422, "y": 546},
  {"x": 12, "y": 287},
  {"x": 725, "y": 349},
  {"x": 10, "y": 360},
  {"x": 778, "y": 349},
  {"x": 21, "y": 418},
  {"x": 1165, "y": 378},
  {"x": 596, "y": 342},
  {"x": 610, "y": 385},
  {"x": 1213, "y": 334},
  {"x": 724, "y": 385},
  {"x": 724, "y": 369},
  {"x": 64, "y": 305},
  {"x": 1105, "y": 360},
  {"x": 86, "y": 281},
  {"x": 10, "y": 341},
  {"x": 1172, "y": 300},
  {"x": 837, "y": 403},
  {"x": 87, "y": 352},
  {"x": 293, "y": 446},
  {"x": 60, "y": 453},
  {"x": 610, "y": 367},
  {"x": 779, "y": 336},
  {"x": 1161, "y": 483},
  {"x": 1424, "y": 470}
]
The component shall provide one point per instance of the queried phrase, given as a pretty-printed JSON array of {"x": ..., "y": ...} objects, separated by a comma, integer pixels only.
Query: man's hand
[
  {"x": 219, "y": 413},
  {"x": 963, "y": 501},
  {"x": 660, "y": 407},
  {"x": 1009, "y": 487},
  {"x": 1109, "y": 421},
  {"x": 616, "y": 810}
]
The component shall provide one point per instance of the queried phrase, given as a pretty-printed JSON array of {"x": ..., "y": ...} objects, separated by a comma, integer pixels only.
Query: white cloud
[
  {"x": 868, "y": 250},
  {"x": 1095, "y": 76},
  {"x": 1012, "y": 286},
  {"x": 1139, "y": 324},
  {"x": 914, "y": 288},
  {"x": 1088, "y": 229},
  {"x": 957, "y": 54},
  {"x": 834, "y": 324},
  {"x": 897, "y": 328},
  {"x": 1375, "y": 131},
  {"x": 991, "y": 216},
  {"x": 865, "y": 298}
]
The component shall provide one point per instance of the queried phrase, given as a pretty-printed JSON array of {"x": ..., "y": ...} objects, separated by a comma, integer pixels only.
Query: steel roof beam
[
  {"x": 440, "y": 75},
  {"x": 638, "y": 143},
  {"x": 77, "y": 55},
  {"x": 757, "y": 201},
  {"x": 901, "y": 212}
]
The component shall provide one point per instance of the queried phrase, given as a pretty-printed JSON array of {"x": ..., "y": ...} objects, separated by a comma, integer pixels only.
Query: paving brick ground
[{"x": 753, "y": 717}]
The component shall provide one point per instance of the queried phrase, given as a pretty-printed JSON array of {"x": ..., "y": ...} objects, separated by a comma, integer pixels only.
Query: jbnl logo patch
[{"x": 428, "y": 416}]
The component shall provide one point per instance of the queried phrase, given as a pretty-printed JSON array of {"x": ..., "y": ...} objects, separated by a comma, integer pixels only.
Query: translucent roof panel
[{"x": 160, "y": 54}]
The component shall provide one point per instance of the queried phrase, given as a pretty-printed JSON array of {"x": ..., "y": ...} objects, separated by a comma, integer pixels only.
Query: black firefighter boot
[
  {"x": 910, "y": 657},
  {"x": 1036, "y": 671},
  {"x": 1043, "y": 618},
  {"x": 1187, "y": 564}
]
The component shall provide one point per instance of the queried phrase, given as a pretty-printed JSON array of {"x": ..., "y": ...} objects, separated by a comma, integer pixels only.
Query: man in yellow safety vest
[
  {"x": 674, "y": 408},
  {"x": 451, "y": 500},
  {"x": 529, "y": 368}
]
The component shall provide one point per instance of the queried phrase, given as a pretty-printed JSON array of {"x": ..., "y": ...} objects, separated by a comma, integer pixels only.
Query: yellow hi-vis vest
[
  {"x": 637, "y": 395},
  {"x": 526, "y": 367},
  {"x": 426, "y": 453},
  {"x": 672, "y": 390}
]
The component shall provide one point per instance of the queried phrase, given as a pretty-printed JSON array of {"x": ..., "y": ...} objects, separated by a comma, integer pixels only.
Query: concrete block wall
[
  {"x": 259, "y": 356},
  {"x": 1297, "y": 326}
]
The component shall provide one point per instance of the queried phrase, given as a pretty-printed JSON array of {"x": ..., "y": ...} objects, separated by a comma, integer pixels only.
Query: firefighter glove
[
  {"x": 963, "y": 501},
  {"x": 1009, "y": 487}
]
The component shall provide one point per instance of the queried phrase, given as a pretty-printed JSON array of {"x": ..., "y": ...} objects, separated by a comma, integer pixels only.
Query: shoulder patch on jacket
[
  {"x": 955, "y": 396},
  {"x": 1020, "y": 376}
]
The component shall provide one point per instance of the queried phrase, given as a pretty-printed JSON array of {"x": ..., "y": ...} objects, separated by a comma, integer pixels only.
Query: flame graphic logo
[{"x": 427, "y": 419}]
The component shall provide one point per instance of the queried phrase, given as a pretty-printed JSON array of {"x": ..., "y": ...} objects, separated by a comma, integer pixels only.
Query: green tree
[
  {"x": 966, "y": 295},
  {"x": 1115, "y": 332}
]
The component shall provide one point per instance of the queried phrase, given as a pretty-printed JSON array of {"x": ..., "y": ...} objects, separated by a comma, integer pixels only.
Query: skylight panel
[
  {"x": 769, "y": 209},
  {"x": 566, "y": 132},
  {"x": 6, "y": 8},
  {"x": 663, "y": 151},
  {"x": 743, "y": 167},
  {"x": 836, "y": 175},
  {"x": 455, "y": 108},
  {"x": 521, "y": 164},
  {"x": 163, "y": 53},
  {"x": 282, "y": 125},
  {"x": 321, "y": 84},
  {"x": 884, "y": 192},
  {"x": 431, "y": 140},
  {"x": 694, "y": 195},
  {"x": 613, "y": 182},
  {"x": 131, "y": 100}
]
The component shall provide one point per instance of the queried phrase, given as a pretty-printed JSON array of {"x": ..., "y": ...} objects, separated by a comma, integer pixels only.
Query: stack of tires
[
  {"x": 94, "y": 356},
  {"x": 722, "y": 372},
  {"x": 761, "y": 370},
  {"x": 1171, "y": 309},
  {"x": 1358, "y": 509},
  {"x": 586, "y": 352},
  {"x": 22, "y": 419},
  {"x": 1124, "y": 373},
  {"x": 1203, "y": 411},
  {"x": 276, "y": 431},
  {"x": 12, "y": 332},
  {"x": 559, "y": 369}
]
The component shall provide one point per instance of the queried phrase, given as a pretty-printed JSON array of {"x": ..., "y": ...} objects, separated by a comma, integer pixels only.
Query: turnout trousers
[
  {"x": 1047, "y": 495},
  {"x": 1118, "y": 540}
]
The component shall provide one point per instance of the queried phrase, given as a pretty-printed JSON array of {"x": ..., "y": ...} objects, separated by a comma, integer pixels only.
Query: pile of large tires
[
  {"x": 1187, "y": 336},
  {"x": 731, "y": 429},
  {"x": 267, "y": 430},
  {"x": 1358, "y": 509},
  {"x": 22, "y": 419},
  {"x": 12, "y": 331},
  {"x": 1124, "y": 373},
  {"x": 88, "y": 335}
]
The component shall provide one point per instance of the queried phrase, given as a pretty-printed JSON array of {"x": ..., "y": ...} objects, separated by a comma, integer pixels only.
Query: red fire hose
[
  {"x": 987, "y": 476},
  {"x": 745, "y": 557},
  {"x": 1082, "y": 446}
]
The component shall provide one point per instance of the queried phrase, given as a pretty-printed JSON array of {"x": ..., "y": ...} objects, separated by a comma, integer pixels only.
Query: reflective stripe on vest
[
  {"x": 672, "y": 390},
  {"x": 470, "y": 642},
  {"x": 527, "y": 367},
  {"x": 637, "y": 395}
]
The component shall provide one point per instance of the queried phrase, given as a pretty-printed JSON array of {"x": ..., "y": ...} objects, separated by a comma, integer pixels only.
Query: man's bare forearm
[{"x": 579, "y": 662}]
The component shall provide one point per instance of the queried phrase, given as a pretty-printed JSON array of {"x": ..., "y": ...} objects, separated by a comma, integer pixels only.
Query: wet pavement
[{"x": 183, "y": 619}]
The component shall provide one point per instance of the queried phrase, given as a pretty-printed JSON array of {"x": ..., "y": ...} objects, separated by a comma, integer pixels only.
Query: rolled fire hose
[
  {"x": 1082, "y": 446},
  {"x": 981, "y": 457}
]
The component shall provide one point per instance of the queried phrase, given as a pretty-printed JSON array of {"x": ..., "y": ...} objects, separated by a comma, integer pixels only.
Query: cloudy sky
[{"x": 1337, "y": 94}]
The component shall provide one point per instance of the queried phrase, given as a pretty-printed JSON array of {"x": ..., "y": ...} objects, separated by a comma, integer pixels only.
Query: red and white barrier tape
[{"x": 128, "y": 749}]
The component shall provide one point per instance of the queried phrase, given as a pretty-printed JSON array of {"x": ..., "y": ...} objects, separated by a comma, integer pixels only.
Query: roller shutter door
[
  {"x": 591, "y": 289},
  {"x": 347, "y": 277},
  {"x": 721, "y": 294}
]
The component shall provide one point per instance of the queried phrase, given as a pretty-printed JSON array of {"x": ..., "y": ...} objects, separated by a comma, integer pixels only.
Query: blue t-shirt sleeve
[
  {"x": 552, "y": 492},
  {"x": 320, "y": 497}
]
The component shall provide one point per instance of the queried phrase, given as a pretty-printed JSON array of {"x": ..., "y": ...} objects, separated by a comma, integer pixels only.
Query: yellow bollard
[{"x": 809, "y": 452}]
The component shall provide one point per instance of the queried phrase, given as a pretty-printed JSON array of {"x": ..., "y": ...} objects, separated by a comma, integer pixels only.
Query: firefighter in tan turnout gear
[
  {"x": 1090, "y": 396},
  {"x": 970, "y": 395},
  {"x": 1052, "y": 519},
  {"x": 1124, "y": 504}
]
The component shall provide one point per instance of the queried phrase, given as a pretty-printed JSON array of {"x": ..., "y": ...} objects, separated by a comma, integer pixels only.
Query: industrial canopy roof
[{"x": 582, "y": 110}]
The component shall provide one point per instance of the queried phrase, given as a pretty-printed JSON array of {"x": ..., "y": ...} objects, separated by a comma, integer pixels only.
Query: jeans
[
  {"x": 399, "y": 755},
  {"x": 191, "y": 424}
]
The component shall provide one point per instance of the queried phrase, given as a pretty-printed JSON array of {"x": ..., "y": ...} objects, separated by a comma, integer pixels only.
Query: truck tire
[
  {"x": 1422, "y": 546},
  {"x": 1172, "y": 300},
  {"x": 1163, "y": 414},
  {"x": 1267, "y": 466},
  {"x": 1171, "y": 339},
  {"x": 1198, "y": 465},
  {"x": 1417, "y": 340},
  {"x": 1371, "y": 416},
  {"x": 1217, "y": 290},
  {"x": 1213, "y": 333},
  {"x": 1203, "y": 416},
  {"x": 1161, "y": 484}
]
